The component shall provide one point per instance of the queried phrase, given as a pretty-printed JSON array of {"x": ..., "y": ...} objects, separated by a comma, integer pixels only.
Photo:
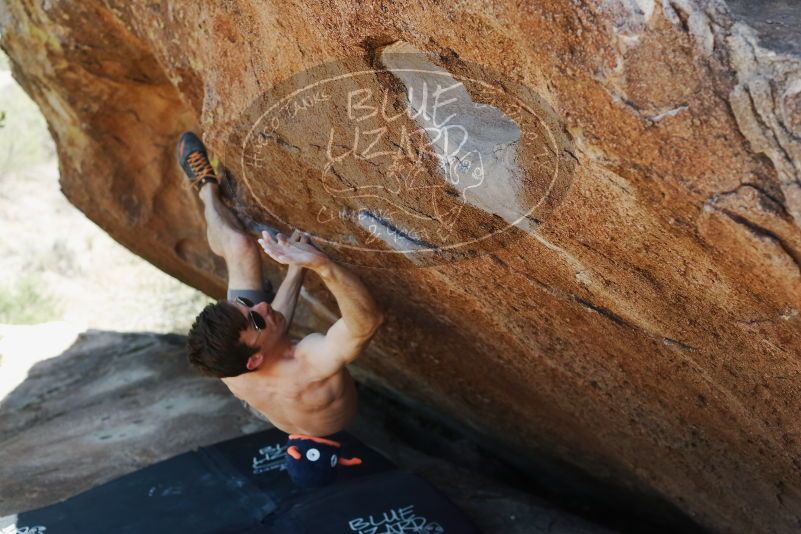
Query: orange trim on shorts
[
  {"x": 322, "y": 441},
  {"x": 349, "y": 461},
  {"x": 294, "y": 452}
]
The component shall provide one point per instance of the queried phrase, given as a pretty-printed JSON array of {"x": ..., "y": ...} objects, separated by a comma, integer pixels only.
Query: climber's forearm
[
  {"x": 287, "y": 295},
  {"x": 361, "y": 314}
]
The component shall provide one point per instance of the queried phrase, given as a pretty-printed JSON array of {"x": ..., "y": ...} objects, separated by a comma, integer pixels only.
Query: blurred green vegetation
[
  {"x": 24, "y": 139},
  {"x": 54, "y": 263},
  {"x": 27, "y": 302}
]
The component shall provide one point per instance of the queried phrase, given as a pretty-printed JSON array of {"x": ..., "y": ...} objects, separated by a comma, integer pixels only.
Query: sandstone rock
[{"x": 640, "y": 320}]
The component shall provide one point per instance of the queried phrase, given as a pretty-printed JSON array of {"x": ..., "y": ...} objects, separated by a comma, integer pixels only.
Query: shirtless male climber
[{"x": 301, "y": 386}]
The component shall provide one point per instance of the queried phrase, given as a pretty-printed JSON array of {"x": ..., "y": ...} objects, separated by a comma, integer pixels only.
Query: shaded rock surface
[
  {"x": 640, "y": 322},
  {"x": 114, "y": 403},
  {"x": 777, "y": 22}
]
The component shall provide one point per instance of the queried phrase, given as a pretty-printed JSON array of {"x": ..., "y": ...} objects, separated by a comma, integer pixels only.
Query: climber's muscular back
[
  {"x": 297, "y": 396},
  {"x": 308, "y": 390}
]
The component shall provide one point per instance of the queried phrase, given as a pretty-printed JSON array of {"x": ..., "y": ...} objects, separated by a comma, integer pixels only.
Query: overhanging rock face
[{"x": 597, "y": 255}]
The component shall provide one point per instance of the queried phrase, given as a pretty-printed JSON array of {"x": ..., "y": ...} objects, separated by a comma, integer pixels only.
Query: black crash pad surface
[
  {"x": 240, "y": 485},
  {"x": 260, "y": 459},
  {"x": 387, "y": 503},
  {"x": 182, "y": 494}
]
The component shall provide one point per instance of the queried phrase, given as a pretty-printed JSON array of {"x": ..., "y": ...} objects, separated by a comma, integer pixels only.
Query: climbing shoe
[{"x": 194, "y": 161}]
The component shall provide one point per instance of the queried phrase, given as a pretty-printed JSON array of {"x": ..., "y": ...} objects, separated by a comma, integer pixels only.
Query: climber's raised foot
[{"x": 194, "y": 160}]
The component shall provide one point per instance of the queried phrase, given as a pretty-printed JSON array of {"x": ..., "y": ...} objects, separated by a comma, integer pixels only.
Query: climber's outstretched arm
[
  {"x": 361, "y": 317},
  {"x": 287, "y": 295}
]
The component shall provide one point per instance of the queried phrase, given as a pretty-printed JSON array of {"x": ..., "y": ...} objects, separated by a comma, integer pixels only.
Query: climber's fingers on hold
[
  {"x": 274, "y": 251},
  {"x": 272, "y": 247},
  {"x": 267, "y": 237}
]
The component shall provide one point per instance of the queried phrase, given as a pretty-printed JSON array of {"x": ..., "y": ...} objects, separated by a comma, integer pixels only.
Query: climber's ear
[{"x": 255, "y": 361}]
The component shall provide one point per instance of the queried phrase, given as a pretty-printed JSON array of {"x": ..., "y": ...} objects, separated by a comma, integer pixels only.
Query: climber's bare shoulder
[{"x": 300, "y": 393}]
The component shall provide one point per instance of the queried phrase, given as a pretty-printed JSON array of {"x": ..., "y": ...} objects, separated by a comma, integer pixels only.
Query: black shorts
[{"x": 266, "y": 294}]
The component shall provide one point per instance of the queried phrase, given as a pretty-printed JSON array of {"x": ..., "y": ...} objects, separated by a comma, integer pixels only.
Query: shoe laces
[{"x": 200, "y": 165}]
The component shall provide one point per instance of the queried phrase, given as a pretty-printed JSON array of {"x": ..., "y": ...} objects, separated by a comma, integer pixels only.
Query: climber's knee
[
  {"x": 242, "y": 258},
  {"x": 239, "y": 247}
]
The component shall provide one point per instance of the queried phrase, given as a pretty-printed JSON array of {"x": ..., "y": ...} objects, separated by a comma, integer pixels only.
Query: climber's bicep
[{"x": 327, "y": 354}]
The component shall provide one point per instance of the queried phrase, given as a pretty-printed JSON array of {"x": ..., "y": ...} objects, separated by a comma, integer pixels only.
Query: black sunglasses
[{"x": 255, "y": 319}]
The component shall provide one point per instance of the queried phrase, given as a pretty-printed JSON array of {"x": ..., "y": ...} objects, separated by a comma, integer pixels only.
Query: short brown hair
[{"x": 214, "y": 345}]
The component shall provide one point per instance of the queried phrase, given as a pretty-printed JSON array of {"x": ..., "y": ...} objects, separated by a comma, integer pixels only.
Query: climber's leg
[
  {"x": 227, "y": 239},
  {"x": 223, "y": 230}
]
